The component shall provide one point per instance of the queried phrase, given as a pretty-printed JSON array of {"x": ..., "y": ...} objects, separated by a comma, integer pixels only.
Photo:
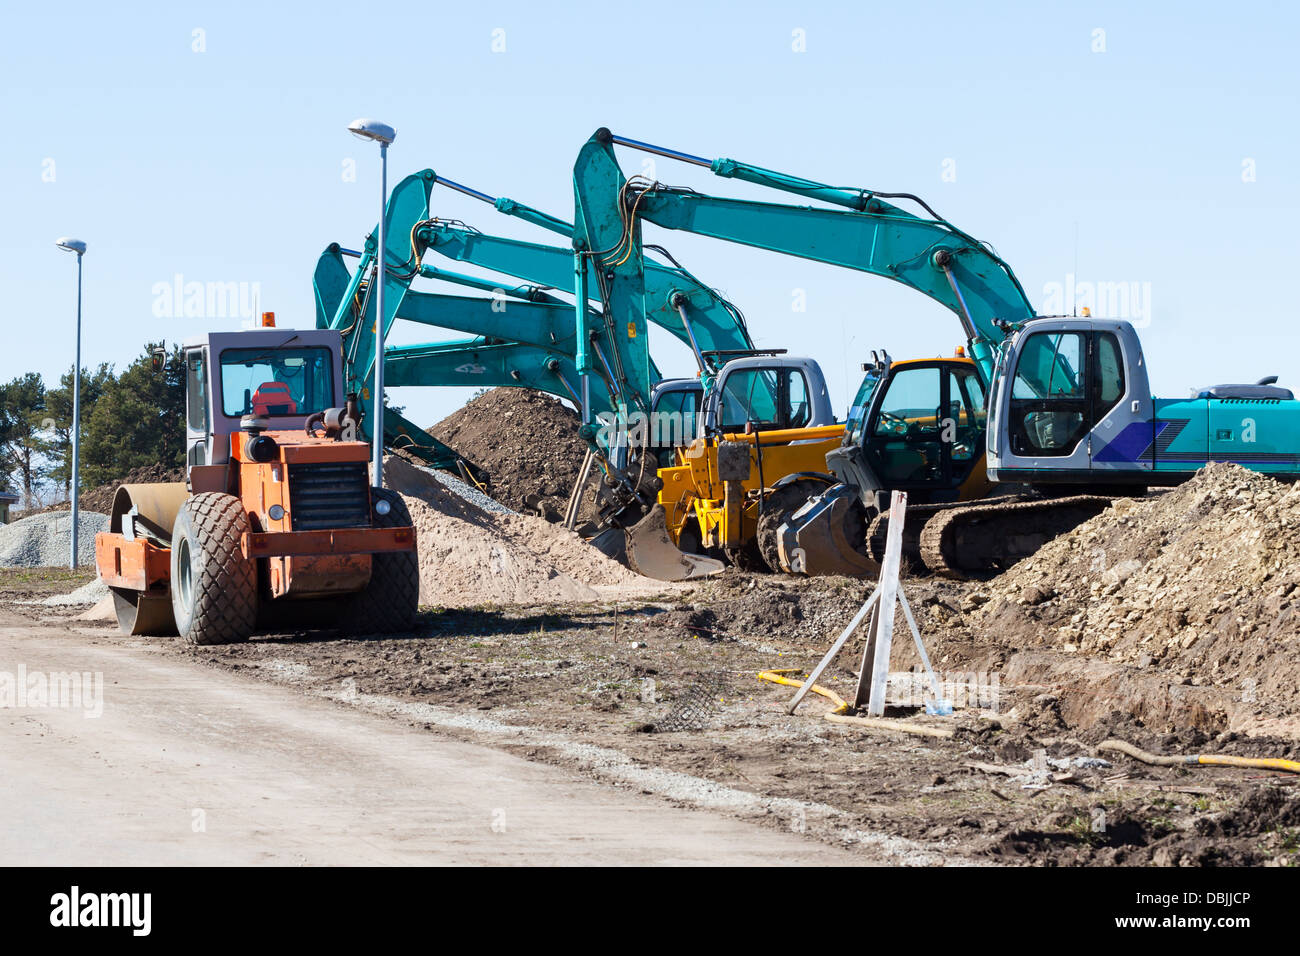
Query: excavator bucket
[
  {"x": 650, "y": 551},
  {"x": 823, "y": 537}
]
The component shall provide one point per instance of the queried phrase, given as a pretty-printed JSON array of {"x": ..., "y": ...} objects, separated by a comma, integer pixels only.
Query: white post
[{"x": 835, "y": 649}]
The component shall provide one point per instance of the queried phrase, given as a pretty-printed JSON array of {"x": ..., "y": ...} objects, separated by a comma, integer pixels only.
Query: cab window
[
  {"x": 857, "y": 417},
  {"x": 769, "y": 397},
  {"x": 911, "y": 406},
  {"x": 1110, "y": 373},
  {"x": 676, "y": 416},
  {"x": 800, "y": 402},
  {"x": 276, "y": 382},
  {"x": 1050, "y": 366}
]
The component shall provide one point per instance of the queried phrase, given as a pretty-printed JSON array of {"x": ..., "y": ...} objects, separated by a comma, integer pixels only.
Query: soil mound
[
  {"x": 527, "y": 441},
  {"x": 1199, "y": 583}
]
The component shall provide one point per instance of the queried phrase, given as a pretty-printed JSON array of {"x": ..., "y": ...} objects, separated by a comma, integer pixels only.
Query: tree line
[{"x": 128, "y": 420}]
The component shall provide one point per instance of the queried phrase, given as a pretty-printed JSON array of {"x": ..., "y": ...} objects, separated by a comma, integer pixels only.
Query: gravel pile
[
  {"x": 84, "y": 596},
  {"x": 45, "y": 540},
  {"x": 463, "y": 490}
]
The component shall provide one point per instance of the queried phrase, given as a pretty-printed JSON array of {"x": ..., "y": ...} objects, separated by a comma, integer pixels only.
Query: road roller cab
[{"x": 277, "y": 517}]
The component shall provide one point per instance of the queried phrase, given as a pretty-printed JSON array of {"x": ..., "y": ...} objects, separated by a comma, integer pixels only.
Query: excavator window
[
  {"x": 1051, "y": 405},
  {"x": 1110, "y": 374},
  {"x": 276, "y": 382},
  {"x": 965, "y": 416},
  {"x": 675, "y": 418},
  {"x": 769, "y": 397},
  {"x": 857, "y": 420}
]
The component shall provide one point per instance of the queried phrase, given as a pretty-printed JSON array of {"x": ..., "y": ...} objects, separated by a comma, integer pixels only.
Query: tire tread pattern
[
  {"x": 225, "y": 582},
  {"x": 390, "y": 601}
]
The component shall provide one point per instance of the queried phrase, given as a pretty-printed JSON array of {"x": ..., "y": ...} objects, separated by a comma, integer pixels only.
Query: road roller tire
[
  {"x": 214, "y": 587},
  {"x": 390, "y": 601}
]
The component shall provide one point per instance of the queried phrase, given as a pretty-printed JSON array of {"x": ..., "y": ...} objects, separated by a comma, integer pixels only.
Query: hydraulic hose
[
  {"x": 774, "y": 677},
  {"x": 1204, "y": 760}
]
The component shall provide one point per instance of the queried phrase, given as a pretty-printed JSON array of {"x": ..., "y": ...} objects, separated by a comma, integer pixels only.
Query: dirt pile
[
  {"x": 470, "y": 556},
  {"x": 1199, "y": 584},
  {"x": 100, "y": 498},
  {"x": 527, "y": 441}
]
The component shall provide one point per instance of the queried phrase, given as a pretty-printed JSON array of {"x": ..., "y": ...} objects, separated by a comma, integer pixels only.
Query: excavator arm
[
  {"x": 682, "y": 305},
  {"x": 533, "y": 333},
  {"x": 869, "y": 234}
]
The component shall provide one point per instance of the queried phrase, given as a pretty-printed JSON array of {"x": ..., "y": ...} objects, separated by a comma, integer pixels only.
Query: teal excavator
[
  {"x": 527, "y": 337},
  {"x": 1056, "y": 408}
]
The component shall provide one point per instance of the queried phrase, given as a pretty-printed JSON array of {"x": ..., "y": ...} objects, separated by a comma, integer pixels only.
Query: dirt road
[{"x": 192, "y": 765}]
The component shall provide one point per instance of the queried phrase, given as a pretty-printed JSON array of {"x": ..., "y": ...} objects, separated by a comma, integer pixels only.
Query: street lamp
[
  {"x": 383, "y": 134},
  {"x": 68, "y": 244}
]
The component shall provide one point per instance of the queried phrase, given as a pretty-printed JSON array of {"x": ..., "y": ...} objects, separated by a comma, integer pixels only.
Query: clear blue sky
[{"x": 226, "y": 165}]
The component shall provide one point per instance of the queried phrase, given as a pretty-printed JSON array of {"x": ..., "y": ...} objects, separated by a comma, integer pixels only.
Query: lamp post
[
  {"x": 383, "y": 134},
  {"x": 68, "y": 244}
]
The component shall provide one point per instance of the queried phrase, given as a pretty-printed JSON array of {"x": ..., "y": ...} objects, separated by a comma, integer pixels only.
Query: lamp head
[
  {"x": 374, "y": 130},
  {"x": 68, "y": 244}
]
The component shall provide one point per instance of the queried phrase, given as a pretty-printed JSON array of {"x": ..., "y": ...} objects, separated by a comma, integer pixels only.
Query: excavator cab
[
  {"x": 916, "y": 426},
  {"x": 1072, "y": 405}
]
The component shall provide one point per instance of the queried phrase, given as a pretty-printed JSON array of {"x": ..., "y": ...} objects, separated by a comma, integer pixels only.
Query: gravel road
[{"x": 190, "y": 765}]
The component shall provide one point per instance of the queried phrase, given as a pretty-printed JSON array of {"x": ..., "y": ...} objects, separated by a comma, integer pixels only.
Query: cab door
[
  {"x": 1050, "y": 408},
  {"x": 198, "y": 424},
  {"x": 966, "y": 424},
  {"x": 903, "y": 443}
]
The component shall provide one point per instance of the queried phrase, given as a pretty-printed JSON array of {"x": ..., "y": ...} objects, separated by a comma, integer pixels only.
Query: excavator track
[
  {"x": 913, "y": 522},
  {"x": 918, "y": 516},
  {"x": 965, "y": 540}
]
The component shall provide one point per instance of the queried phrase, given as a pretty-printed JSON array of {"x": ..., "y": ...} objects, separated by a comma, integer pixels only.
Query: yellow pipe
[
  {"x": 1208, "y": 760},
  {"x": 1259, "y": 763},
  {"x": 841, "y": 705}
]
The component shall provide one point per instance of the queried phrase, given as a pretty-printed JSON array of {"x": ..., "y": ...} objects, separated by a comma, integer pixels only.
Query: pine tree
[
  {"x": 139, "y": 420},
  {"x": 24, "y": 430},
  {"x": 59, "y": 405}
]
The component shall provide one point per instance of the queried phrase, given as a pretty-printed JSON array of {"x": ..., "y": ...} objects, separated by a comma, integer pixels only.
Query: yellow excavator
[{"x": 764, "y": 429}]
